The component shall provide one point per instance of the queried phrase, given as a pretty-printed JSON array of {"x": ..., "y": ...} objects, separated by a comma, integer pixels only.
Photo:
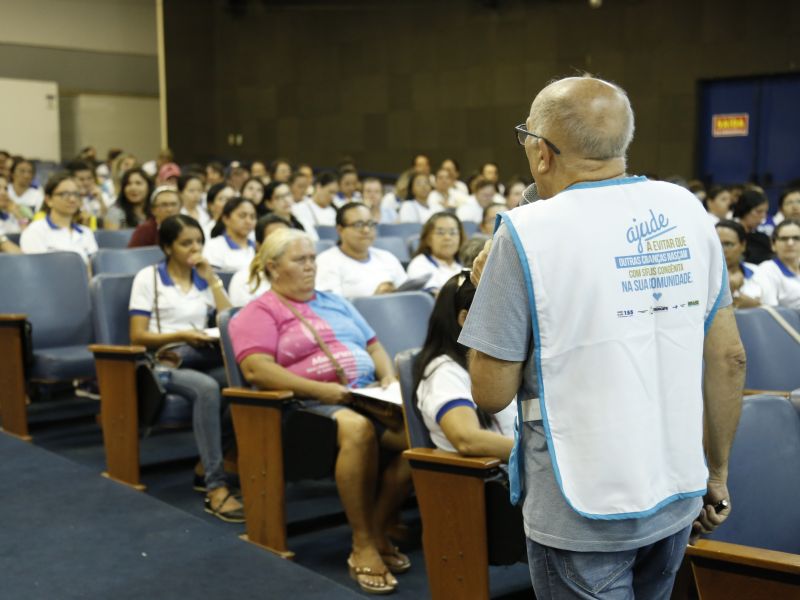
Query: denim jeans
[
  {"x": 203, "y": 392},
  {"x": 646, "y": 573}
]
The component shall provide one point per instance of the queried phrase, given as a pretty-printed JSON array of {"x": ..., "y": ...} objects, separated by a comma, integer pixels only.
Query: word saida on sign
[{"x": 730, "y": 125}]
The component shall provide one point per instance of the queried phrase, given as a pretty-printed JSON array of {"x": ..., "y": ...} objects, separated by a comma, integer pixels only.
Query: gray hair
[{"x": 593, "y": 134}]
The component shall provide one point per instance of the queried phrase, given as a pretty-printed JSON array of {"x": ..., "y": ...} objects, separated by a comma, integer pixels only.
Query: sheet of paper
[
  {"x": 390, "y": 394},
  {"x": 212, "y": 332}
]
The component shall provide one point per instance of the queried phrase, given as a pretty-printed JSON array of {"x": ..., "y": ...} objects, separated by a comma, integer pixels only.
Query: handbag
[{"x": 388, "y": 414}]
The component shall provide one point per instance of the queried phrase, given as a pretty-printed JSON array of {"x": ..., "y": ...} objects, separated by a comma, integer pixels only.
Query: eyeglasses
[
  {"x": 788, "y": 238},
  {"x": 362, "y": 224},
  {"x": 520, "y": 133},
  {"x": 73, "y": 195}
]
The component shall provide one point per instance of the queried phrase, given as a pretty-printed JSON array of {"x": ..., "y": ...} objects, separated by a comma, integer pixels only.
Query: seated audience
[
  {"x": 237, "y": 175},
  {"x": 444, "y": 194},
  {"x": 258, "y": 168},
  {"x": 455, "y": 174},
  {"x": 418, "y": 206},
  {"x": 779, "y": 278},
  {"x": 58, "y": 232},
  {"x": 215, "y": 174},
  {"x": 170, "y": 304},
  {"x": 278, "y": 202},
  {"x": 168, "y": 174},
  {"x": 489, "y": 216},
  {"x": 750, "y": 211},
  {"x": 253, "y": 190},
  {"x": 353, "y": 268},
  {"x": 94, "y": 203},
  {"x": 230, "y": 247},
  {"x": 249, "y": 282},
  {"x": 21, "y": 189},
  {"x": 319, "y": 209},
  {"x": 514, "y": 189},
  {"x": 129, "y": 210},
  {"x": 717, "y": 203},
  {"x": 299, "y": 183},
  {"x": 439, "y": 242},
  {"x": 280, "y": 170},
  {"x": 275, "y": 341},
  {"x": 191, "y": 189},
  {"x": 348, "y": 187},
  {"x": 216, "y": 199},
  {"x": 372, "y": 192},
  {"x": 443, "y": 387},
  {"x": 788, "y": 205},
  {"x": 744, "y": 289},
  {"x": 12, "y": 218},
  {"x": 483, "y": 194},
  {"x": 165, "y": 202}
]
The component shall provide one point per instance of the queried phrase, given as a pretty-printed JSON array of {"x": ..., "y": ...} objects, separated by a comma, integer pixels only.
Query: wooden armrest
[
  {"x": 762, "y": 558},
  {"x": 12, "y": 318},
  {"x": 441, "y": 457},
  {"x": 781, "y": 393},
  {"x": 248, "y": 396},
  {"x": 117, "y": 351}
]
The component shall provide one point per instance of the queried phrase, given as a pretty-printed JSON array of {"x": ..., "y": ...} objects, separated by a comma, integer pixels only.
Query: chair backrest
[
  {"x": 418, "y": 434},
  {"x": 400, "y": 320},
  {"x": 225, "y": 277},
  {"x": 125, "y": 260},
  {"x": 53, "y": 290},
  {"x": 402, "y": 230},
  {"x": 394, "y": 244},
  {"x": 327, "y": 232},
  {"x": 773, "y": 357},
  {"x": 412, "y": 242},
  {"x": 470, "y": 228},
  {"x": 323, "y": 245},
  {"x": 111, "y": 295},
  {"x": 235, "y": 377},
  {"x": 764, "y": 478},
  {"x": 107, "y": 238}
]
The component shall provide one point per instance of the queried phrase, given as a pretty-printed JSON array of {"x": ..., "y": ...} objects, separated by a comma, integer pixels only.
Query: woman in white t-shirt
[
  {"x": 191, "y": 190},
  {"x": 443, "y": 388},
  {"x": 741, "y": 275},
  {"x": 779, "y": 278},
  {"x": 58, "y": 232},
  {"x": 437, "y": 255},
  {"x": 230, "y": 247},
  {"x": 418, "y": 205},
  {"x": 21, "y": 189},
  {"x": 10, "y": 214},
  {"x": 354, "y": 268},
  {"x": 249, "y": 282},
  {"x": 216, "y": 199},
  {"x": 170, "y": 304}
]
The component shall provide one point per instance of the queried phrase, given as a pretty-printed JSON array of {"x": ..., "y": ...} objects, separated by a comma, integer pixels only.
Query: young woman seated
[
  {"x": 443, "y": 388},
  {"x": 170, "y": 303},
  {"x": 58, "y": 232},
  {"x": 216, "y": 199},
  {"x": 419, "y": 205},
  {"x": 437, "y": 255},
  {"x": 746, "y": 292},
  {"x": 353, "y": 268},
  {"x": 275, "y": 342},
  {"x": 278, "y": 201},
  {"x": 779, "y": 278},
  {"x": 250, "y": 282},
  {"x": 253, "y": 190},
  {"x": 750, "y": 211},
  {"x": 191, "y": 189},
  {"x": 164, "y": 203},
  {"x": 129, "y": 210},
  {"x": 230, "y": 247}
]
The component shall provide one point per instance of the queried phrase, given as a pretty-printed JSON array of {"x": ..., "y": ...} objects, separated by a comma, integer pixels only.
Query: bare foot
[{"x": 220, "y": 503}]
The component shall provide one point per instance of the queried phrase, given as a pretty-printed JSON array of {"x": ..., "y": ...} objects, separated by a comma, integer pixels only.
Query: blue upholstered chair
[
  {"x": 327, "y": 232},
  {"x": 756, "y": 552},
  {"x": 51, "y": 293},
  {"x": 402, "y": 230},
  {"x": 277, "y": 443},
  {"x": 470, "y": 228},
  {"x": 125, "y": 260},
  {"x": 465, "y": 507},
  {"x": 322, "y": 245},
  {"x": 107, "y": 238},
  {"x": 773, "y": 357},
  {"x": 394, "y": 244},
  {"x": 412, "y": 242},
  {"x": 400, "y": 320}
]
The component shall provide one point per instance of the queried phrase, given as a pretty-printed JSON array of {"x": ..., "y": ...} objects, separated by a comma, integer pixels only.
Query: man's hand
[
  {"x": 480, "y": 263},
  {"x": 709, "y": 519}
]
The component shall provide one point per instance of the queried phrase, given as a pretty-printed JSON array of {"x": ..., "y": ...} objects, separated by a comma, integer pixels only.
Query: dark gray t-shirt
[{"x": 499, "y": 324}]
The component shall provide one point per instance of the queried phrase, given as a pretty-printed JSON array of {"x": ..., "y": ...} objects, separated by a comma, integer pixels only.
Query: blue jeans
[
  {"x": 203, "y": 392},
  {"x": 646, "y": 573}
]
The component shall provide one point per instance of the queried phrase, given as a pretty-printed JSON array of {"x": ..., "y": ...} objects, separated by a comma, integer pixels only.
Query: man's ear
[{"x": 545, "y": 157}]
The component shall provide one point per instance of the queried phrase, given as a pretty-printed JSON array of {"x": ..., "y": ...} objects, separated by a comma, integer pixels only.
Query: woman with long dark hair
[
  {"x": 442, "y": 383},
  {"x": 131, "y": 208},
  {"x": 230, "y": 247}
]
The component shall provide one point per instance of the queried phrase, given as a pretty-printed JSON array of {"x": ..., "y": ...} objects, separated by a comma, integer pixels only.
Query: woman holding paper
[
  {"x": 317, "y": 345},
  {"x": 170, "y": 304}
]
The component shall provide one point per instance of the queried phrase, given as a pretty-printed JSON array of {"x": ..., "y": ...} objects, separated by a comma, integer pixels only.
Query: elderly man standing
[{"x": 615, "y": 307}]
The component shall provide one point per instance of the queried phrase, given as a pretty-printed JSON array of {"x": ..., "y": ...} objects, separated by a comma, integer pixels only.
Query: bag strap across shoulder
[{"x": 340, "y": 373}]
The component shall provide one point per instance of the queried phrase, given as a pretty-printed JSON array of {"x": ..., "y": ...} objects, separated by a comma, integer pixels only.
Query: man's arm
[
  {"x": 723, "y": 380},
  {"x": 494, "y": 381}
]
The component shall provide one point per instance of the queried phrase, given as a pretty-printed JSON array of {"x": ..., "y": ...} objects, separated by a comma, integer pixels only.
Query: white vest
[{"x": 624, "y": 277}]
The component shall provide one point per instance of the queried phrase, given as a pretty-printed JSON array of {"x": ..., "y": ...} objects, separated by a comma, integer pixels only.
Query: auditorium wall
[{"x": 379, "y": 80}]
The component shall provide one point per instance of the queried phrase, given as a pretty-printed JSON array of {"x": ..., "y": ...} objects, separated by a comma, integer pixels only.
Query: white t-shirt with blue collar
[
  {"x": 779, "y": 285},
  {"x": 226, "y": 255},
  {"x": 177, "y": 310},
  {"x": 45, "y": 236},
  {"x": 8, "y": 223}
]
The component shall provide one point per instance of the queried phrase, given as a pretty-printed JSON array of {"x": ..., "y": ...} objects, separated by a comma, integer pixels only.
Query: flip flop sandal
[
  {"x": 396, "y": 561},
  {"x": 235, "y": 515},
  {"x": 366, "y": 585}
]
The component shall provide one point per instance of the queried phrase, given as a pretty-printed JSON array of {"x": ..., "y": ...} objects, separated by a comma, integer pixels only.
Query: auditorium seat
[
  {"x": 116, "y": 362},
  {"x": 400, "y": 320},
  {"x": 402, "y": 230},
  {"x": 125, "y": 260},
  {"x": 772, "y": 355},
  {"x": 107, "y": 238},
  {"x": 327, "y": 232},
  {"x": 396, "y": 245},
  {"x": 412, "y": 242},
  {"x": 468, "y": 522},
  {"x": 322, "y": 245},
  {"x": 51, "y": 293},
  {"x": 275, "y": 446},
  {"x": 470, "y": 228},
  {"x": 756, "y": 552}
]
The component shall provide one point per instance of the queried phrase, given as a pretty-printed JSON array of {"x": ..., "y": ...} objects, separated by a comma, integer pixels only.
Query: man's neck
[{"x": 586, "y": 172}]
